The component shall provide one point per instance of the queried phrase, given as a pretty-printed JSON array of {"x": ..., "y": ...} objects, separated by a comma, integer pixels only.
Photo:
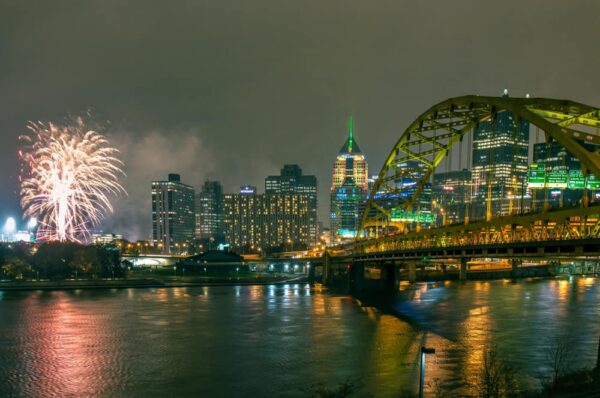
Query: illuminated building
[
  {"x": 499, "y": 168},
  {"x": 209, "y": 212},
  {"x": 451, "y": 196},
  {"x": 286, "y": 221},
  {"x": 243, "y": 219},
  {"x": 349, "y": 187},
  {"x": 254, "y": 222},
  {"x": 562, "y": 181},
  {"x": 106, "y": 239},
  {"x": 173, "y": 215},
  {"x": 292, "y": 181},
  {"x": 420, "y": 214}
]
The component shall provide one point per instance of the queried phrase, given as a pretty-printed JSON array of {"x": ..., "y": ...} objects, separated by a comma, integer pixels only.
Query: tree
[
  {"x": 86, "y": 262},
  {"x": 53, "y": 260},
  {"x": 16, "y": 268},
  {"x": 560, "y": 356},
  {"x": 497, "y": 379}
]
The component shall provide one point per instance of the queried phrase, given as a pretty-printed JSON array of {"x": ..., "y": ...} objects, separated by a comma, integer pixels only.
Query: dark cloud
[{"x": 251, "y": 85}]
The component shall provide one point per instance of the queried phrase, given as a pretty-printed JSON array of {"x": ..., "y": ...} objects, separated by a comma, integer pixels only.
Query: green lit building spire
[
  {"x": 350, "y": 133},
  {"x": 350, "y": 146}
]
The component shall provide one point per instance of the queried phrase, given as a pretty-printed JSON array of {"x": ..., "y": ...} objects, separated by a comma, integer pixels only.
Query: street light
[{"x": 424, "y": 350}]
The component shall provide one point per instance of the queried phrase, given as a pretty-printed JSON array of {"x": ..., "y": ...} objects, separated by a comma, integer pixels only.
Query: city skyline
[
  {"x": 206, "y": 100},
  {"x": 299, "y": 198}
]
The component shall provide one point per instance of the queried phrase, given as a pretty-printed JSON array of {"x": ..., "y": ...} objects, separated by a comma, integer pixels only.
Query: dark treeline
[{"x": 58, "y": 261}]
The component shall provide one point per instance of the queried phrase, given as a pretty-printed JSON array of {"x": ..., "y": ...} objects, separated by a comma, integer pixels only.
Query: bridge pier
[
  {"x": 463, "y": 269},
  {"x": 327, "y": 274},
  {"x": 357, "y": 277},
  {"x": 311, "y": 272},
  {"x": 390, "y": 276},
  {"x": 514, "y": 267},
  {"x": 412, "y": 271}
]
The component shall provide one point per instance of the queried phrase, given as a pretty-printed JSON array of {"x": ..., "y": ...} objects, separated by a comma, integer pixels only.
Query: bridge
[{"x": 435, "y": 140}]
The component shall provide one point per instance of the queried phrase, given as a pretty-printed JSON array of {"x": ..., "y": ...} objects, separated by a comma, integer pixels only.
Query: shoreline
[{"x": 135, "y": 284}]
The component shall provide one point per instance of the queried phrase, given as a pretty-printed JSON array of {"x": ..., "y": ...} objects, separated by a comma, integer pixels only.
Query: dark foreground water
[{"x": 277, "y": 341}]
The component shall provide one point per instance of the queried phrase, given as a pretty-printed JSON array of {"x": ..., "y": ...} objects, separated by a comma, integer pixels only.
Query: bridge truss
[{"x": 429, "y": 140}]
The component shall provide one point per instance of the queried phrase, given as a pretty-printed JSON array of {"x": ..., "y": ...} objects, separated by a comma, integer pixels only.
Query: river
[{"x": 279, "y": 341}]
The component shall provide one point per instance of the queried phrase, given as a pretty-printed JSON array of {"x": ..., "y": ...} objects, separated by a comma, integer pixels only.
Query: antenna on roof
[{"x": 350, "y": 134}]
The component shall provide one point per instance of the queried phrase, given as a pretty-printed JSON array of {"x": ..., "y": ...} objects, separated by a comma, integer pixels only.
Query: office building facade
[
  {"x": 292, "y": 181},
  {"x": 499, "y": 165},
  {"x": 173, "y": 214},
  {"x": 243, "y": 219},
  {"x": 561, "y": 170},
  {"x": 451, "y": 196},
  {"x": 256, "y": 222},
  {"x": 210, "y": 213},
  {"x": 349, "y": 189}
]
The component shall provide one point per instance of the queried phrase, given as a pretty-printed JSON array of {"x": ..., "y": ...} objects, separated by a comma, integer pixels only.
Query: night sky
[{"x": 232, "y": 90}]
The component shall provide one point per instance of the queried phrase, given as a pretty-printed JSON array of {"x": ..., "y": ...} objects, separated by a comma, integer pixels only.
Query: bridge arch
[{"x": 429, "y": 139}]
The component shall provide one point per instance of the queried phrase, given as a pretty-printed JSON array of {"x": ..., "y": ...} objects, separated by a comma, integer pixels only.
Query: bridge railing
[{"x": 566, "y": 224}]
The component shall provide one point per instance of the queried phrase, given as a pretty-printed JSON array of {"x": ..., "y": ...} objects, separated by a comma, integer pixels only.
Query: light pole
[{"x": 424, "y": 351}]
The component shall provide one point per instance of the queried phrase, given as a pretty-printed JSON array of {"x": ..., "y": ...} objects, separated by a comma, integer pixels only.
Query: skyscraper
[
  {"x": 349, "y": 187},
  {"x": 291, "y": 181},
  {"x": 173, "y": 214},
  {"x": 243, "y": 219},
  {"x": 254, "y": 222},
  {"x": 563, "y": 183},
  {"x": 500, "y": 157},
  {"x": 451, "y": 196},
  {"x": 286, "y": 221},
  {"x": 209, "y": 212}
]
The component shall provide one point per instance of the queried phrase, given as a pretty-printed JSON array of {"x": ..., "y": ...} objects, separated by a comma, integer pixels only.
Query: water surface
[{"x": 279, "y": 340}]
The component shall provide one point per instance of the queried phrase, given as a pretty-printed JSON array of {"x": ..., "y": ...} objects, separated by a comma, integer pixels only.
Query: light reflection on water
[{"x": 278, "y": 340}]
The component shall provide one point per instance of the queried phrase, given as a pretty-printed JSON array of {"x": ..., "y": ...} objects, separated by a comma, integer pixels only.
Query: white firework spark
[{"x": 68, "y": 174}]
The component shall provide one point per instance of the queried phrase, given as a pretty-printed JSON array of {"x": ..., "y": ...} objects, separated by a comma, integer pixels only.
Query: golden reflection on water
[{"x": 394, "y": 352}]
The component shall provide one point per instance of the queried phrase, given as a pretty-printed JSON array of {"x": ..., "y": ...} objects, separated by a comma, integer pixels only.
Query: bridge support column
[
  {"x": 327, "y": 274},
  {"x": 514, "y": 267},
  {"x": 412, "y": 271},
  {"x": 357, "y": 277},
  {"x": 311, "y": 272},
  {"x": 463, "y": 269},
  {"x": 396, "y": 277}
]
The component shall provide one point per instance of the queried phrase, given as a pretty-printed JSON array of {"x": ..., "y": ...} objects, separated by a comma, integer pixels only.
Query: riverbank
[{"x": 72, "y": 284}]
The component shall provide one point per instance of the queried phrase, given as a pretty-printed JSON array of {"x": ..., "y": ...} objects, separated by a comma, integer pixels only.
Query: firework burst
[{"x": 69, "y": 172}]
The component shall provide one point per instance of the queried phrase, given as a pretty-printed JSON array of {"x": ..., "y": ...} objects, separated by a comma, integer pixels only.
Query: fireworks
[{"x": 68, "y": 174}]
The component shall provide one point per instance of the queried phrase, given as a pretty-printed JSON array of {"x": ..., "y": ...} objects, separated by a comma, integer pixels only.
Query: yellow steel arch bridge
[{"x": 436, "y": 135}]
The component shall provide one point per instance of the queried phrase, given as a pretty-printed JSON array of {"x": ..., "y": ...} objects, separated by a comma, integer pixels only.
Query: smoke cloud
[{"x": 147, "y": 157}]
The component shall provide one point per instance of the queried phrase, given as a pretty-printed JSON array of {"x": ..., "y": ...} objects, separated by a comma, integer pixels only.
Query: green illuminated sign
[
  {"x": 557, "y": 179},
  {"x": 576, "y": 180},
  {"x": 539, "y": 177},
  {"x": 411, "y": 216},
  {"x": 536, "y": 176},
  {"x": 593, "y": 182}
]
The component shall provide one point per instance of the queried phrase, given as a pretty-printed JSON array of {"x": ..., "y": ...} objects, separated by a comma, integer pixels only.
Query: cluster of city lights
[{"x": 10, "y": 233}]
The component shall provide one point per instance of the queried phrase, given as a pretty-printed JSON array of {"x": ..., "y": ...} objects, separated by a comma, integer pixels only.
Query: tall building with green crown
[{"x": 349, "y": 188}]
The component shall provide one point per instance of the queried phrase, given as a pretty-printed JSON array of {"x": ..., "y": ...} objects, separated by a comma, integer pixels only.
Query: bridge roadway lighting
[{"x": 424, "y": 350}]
